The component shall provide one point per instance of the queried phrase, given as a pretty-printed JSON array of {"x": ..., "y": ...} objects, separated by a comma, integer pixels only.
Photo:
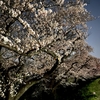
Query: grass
[{"x": 91, "y": 91}]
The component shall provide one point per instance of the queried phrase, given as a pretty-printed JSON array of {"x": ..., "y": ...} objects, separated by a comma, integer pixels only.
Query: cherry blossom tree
[{"x": 37, "y": 37}]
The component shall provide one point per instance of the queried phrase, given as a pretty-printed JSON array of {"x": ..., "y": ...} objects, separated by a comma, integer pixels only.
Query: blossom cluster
[{"x": 37, "y": 36}]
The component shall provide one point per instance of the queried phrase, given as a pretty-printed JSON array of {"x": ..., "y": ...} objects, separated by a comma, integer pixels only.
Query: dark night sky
[{"x": 94, "y": 38}]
